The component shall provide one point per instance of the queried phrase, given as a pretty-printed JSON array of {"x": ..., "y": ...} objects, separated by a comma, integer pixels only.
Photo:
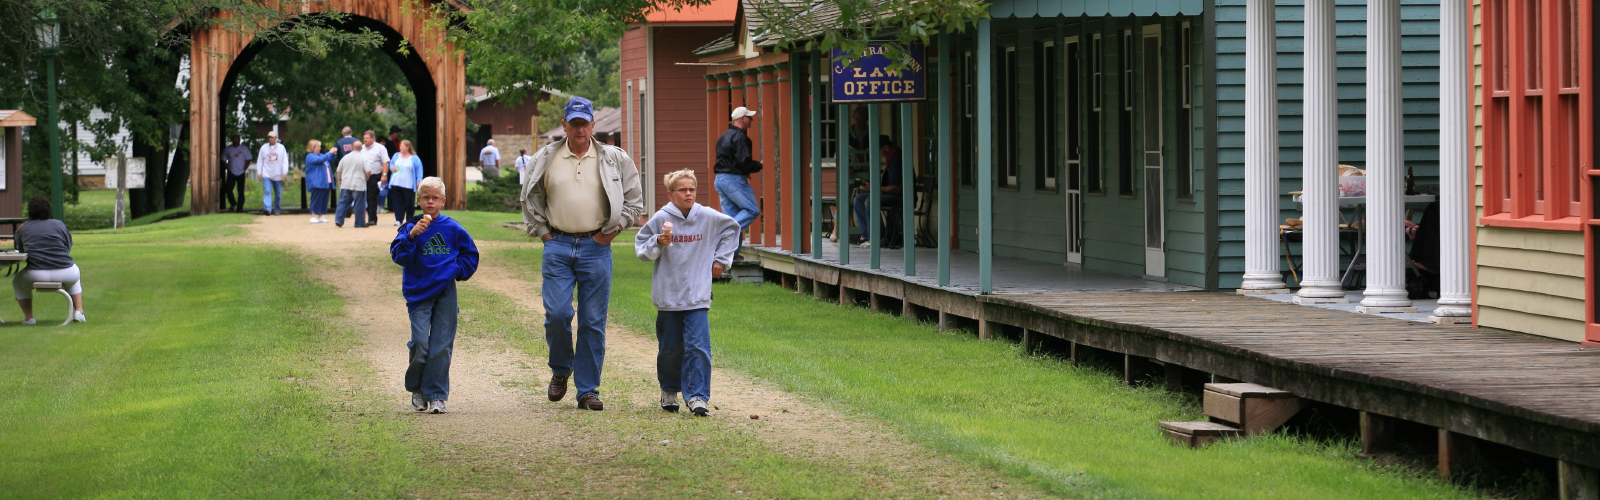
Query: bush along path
[{"x": 503, "y": 437}]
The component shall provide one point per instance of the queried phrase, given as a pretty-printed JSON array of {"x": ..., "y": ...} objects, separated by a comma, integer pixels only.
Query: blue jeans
[
  {"x": 579, "y": 263},
  {"x": 433, "y": 336},
  {"x": 319, "y": 201},
  {"x": 351, "y": 200},
  {"x": 271, "y": 195},
  {"x": 861, "y": 208},
  {"x": 683, "y": 361},
  {"x": 738, "y": 199}
]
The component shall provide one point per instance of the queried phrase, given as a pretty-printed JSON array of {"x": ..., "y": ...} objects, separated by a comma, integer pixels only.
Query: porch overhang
[{"x": 1001, "y": 9}]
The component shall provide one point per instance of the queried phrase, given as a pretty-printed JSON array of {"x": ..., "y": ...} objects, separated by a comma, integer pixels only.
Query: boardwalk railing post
[
  {"x": 841, "y": 189},
  {"x": 908, "y": 187},
  {"x": 816, "y": 156},
  {"x": 985, "y": 121},
  {"x": 946, "y": 65},
  {"x": 874, "y": 213}
]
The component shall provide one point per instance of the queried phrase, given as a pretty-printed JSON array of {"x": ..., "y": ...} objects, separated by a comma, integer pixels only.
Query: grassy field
[
  {"x": 190, "y": 380},
  {"x": 1074, "y": 431},
  {"x": 210, "y": 369}
]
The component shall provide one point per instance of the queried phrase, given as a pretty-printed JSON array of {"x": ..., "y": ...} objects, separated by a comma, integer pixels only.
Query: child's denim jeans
[
  {"x": 683, "y": 360},
  {"x": 433, "y": 335}
]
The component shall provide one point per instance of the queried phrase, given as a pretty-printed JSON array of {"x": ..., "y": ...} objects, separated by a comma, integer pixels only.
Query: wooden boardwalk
[{"x": 1525, "y": 391}]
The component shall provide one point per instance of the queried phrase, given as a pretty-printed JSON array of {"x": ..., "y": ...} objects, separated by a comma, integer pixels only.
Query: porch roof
[{"x": 1095, "y": 8}]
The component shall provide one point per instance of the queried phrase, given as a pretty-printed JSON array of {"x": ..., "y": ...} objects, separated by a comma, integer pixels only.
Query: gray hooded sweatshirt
[{"x": 681, "y": 280}]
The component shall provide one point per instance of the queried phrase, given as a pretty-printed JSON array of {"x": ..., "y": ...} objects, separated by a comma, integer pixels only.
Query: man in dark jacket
[{"x": 733, "y": 170}]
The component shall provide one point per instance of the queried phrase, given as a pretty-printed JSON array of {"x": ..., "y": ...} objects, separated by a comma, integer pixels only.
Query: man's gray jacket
[{"x": 618, "y": 175}]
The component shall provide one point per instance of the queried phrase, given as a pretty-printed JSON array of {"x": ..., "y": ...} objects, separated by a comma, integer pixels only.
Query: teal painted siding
[
  {"x": 1030, "y": 221},
  {"x": 1419, "y": 33}
]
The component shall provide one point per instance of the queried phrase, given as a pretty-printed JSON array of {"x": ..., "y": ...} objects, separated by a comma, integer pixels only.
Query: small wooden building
[
  {"x": 663, "y": 94},
  {"x": 11, "y": 202}
]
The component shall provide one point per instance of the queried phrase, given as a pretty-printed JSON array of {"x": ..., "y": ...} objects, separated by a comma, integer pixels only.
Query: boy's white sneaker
[
  {"x": 437, "y": 407},
  {"x": 29, "y": 321},
  {"x": 669, "y": 401},
  {"x": 698, "y": 407},
  {"x": 417, "y": 403},
  {"x": 78, "y": 317}
]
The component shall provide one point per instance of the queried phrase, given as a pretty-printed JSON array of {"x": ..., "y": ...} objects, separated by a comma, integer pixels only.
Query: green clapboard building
[{"x": 1119, "y": 130}]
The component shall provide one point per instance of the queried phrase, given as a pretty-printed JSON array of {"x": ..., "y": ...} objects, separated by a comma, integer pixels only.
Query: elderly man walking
[
  {"x": 578, "y": 196},
  {"x": 489, "y": 158},
  {"x": 272, "y": 164},
  {"x": 377, "y": 171}
]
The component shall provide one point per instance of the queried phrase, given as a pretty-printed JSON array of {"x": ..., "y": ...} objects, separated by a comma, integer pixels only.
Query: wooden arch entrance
[{"x": 434, "y": 69}]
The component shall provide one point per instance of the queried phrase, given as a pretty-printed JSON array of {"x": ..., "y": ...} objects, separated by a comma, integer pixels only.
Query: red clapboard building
[{"x": 664, "y": 95}]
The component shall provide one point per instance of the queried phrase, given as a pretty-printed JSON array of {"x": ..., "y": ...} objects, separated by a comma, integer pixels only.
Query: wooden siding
[
  {"x": 1531, "y": 281},
  {"x": 1030, "y": 223},
  {"x": 1420, "y": 92},
  {"x": 678, "y": 111},
  {"x": 1526, "y": 280}
]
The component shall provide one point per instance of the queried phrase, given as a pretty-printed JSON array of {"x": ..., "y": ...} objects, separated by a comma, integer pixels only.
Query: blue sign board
[{"x": 869, "y": 79}]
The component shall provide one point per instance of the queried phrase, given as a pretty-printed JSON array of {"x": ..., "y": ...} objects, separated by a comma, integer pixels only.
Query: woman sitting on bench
[{"x": 49, "y": 249}]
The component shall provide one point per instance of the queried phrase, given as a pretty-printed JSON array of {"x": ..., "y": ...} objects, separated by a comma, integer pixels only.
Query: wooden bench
[{"x": 56, "y": 285}]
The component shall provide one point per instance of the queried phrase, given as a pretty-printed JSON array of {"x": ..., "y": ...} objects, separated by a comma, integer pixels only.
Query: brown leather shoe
[
  {"x": 590, "y": 402},
  {"x": 558, "y": 388}
]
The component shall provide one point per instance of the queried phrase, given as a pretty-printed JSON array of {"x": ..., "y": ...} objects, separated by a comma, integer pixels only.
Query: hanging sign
[{"x": 869, "y": 78}]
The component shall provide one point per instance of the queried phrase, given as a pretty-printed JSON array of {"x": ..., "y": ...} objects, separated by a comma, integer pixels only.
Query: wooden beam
[
  {"x": 1577, "y": 482},
  {"x": 1458, "y": 453},
  {"x": 1378, "y": 433}
]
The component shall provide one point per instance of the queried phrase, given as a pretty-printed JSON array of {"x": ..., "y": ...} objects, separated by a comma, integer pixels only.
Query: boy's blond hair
[
  {"x": 672, "y": 177},
  {"x": 431, "y": 182}
]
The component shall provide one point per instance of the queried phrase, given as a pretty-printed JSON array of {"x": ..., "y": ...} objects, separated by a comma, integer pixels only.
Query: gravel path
[{"x": 494, "y": 408}]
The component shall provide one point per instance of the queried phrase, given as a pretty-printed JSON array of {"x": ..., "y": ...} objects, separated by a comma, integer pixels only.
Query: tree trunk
[{"x": 178, "y": 179}]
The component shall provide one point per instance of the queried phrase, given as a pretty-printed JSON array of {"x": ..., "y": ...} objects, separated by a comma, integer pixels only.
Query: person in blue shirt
[
  {"x": 404, "y": 169},
  {"x": 435, "y": 252},
  {"x": 888, "y": 182},
  {"x": 319, "y": 179}
]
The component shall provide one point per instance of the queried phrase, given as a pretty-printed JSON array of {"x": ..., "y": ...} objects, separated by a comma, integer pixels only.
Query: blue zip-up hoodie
[{"x": 441, "y": 254}]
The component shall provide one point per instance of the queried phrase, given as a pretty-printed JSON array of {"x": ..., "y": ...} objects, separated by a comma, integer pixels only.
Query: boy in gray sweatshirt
[{"x": 690, "y": 244}]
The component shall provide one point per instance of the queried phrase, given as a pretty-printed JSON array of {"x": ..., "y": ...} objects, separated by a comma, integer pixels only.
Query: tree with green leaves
[
  {"x": 125, "y": 58},
  {"x": 509, "y": 43}
]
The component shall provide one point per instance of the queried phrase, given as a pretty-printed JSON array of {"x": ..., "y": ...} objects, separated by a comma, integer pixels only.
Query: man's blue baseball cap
[{"x": 579, "y": 107}]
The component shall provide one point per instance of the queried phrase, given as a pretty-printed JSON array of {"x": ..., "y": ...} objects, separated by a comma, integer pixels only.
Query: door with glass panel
[
  {"x": 1073, "y": 52},
  {"x": 1155, "y": 252}
]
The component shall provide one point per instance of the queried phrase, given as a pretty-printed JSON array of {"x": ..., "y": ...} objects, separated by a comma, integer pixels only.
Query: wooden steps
[
  {"x": 1235, "y": 410},
  {"x": 1197, "y": 434},
  {"x": 1253, "y": 408}
]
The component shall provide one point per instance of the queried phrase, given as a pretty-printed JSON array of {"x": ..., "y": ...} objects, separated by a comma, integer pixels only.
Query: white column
[
  {"x": 1386, "y": 246},
  {"x": 1261, "y": 151},
  {"x": 1320, "y": 170},
  {"x": 1455, "y": 167}
]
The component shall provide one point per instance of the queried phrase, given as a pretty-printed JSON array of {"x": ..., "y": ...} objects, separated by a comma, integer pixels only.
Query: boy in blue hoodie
[
  {"x": 690, "y": 244},
  {"x": 435, "y": 252}
]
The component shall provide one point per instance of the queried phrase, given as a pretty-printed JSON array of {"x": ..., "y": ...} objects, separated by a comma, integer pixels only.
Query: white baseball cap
[
  {"x": 741, "y": 112},
  {"x": 272, "y": 134}
]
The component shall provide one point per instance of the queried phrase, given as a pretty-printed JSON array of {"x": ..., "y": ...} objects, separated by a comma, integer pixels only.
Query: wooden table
[
  {"x": 14, "y": 222},
  {"x": 9, "y": 260}
]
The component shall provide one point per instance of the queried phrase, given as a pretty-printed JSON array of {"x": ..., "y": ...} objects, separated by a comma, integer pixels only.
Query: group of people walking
[
  {"x": 577, "y": 195},
  {"x": 355, "y": 177}
]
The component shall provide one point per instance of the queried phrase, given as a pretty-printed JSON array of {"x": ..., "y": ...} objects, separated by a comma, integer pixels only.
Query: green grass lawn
[
  {"x": 198, "y": 376},
  {"x": 1075, "y": 431}
]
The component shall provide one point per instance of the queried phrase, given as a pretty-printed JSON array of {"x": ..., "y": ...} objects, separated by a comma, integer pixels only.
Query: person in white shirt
[
  {"x": 377, "y": 171},
  {"x": 522, "y": 165},
  {"x": 272, "y": 165},
  {"x": 489, "y": 158}
]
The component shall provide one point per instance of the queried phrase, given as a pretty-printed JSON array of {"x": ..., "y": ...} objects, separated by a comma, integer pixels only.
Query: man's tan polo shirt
[{"x": 575, "y": 199}]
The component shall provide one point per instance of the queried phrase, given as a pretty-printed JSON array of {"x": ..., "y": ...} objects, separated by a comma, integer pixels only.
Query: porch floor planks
[{"x": 1482, "y": 367}]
